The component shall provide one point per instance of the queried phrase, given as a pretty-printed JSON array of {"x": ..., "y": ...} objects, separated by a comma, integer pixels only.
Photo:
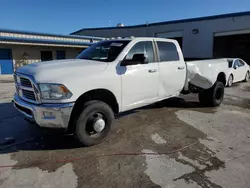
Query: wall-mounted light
[{"x": 195, "y": 31}]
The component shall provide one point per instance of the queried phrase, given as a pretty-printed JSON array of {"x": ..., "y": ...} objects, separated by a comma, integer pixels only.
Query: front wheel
[
  {"x": 247, "y": 77},
  {"x": 94, "y": 123},
  {"x": 213, "y": 96},
  {"x": 230, "y": 80}
]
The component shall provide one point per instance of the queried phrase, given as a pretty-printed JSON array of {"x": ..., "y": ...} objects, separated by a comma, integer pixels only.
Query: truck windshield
[
  {"x": 230, "y": 63},
  {"x": 106, "y": 51}
]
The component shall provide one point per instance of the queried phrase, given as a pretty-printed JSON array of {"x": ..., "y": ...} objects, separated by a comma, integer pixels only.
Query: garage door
[
  {"x": 176, "y": 35},
  {"x": 232, "y": 44},
  {"x": 6, "y": 64}
]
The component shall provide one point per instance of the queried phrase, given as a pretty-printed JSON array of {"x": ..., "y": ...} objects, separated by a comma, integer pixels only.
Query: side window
[
  {"x": 241, "y": 63},
  {"x": 236, "y": 63},
  {"x": 142, "y": 47},
  {"x": 167, "y": 51}
]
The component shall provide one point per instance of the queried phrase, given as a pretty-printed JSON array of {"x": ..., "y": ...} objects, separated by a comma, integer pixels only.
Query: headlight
[{"x": 54, "y": 91}]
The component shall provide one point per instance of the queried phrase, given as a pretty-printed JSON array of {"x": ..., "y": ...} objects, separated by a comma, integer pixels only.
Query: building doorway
[
  {"x": 46, "y": 55},
  {"x": 6, "y": 62},
  {"x": 176, "y": 35},
  {"x": 60, "y": 54},
  {"x": 234, "y": 46}
]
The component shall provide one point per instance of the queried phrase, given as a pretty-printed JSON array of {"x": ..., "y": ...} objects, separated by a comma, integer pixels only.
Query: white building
[
  {"x": 18, "y": 48},
  {"x": 207, "y": 37}
]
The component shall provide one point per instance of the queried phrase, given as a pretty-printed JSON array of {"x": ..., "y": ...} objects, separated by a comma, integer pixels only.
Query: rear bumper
[{"x": 45, "y": 115}]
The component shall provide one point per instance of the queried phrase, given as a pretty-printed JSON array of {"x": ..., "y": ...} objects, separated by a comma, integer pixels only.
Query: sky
[{"x": 66, "y": 16}]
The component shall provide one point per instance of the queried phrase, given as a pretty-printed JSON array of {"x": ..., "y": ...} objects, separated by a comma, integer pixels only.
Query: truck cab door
[
  {"x": 172, "y": 68},
  {"x": 140, "y": 81}
]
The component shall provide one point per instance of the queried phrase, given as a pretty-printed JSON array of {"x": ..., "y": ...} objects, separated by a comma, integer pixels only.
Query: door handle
[
  {"x": 152, "y": 70},
  {"x": 180, "y": 68}
]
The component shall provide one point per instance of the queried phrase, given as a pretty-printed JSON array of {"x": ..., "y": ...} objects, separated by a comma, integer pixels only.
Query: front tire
[
  {"x": 212, "y": 97},
  {"x": 94, "y": 123},
  {"x": 247, "y": 77},
  {"x": 230, "y": 80}
]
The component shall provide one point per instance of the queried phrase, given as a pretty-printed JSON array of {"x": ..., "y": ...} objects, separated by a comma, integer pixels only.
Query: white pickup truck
[{"x": 83, "y": 95}]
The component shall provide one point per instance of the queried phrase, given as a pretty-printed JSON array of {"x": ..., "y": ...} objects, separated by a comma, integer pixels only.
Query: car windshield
[
  {"x": 106, "y": 51},
  {"x": 230, "y": 63}
]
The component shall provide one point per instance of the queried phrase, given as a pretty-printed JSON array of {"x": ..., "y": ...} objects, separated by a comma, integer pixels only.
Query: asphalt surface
[{"x": 175, "y": 143}]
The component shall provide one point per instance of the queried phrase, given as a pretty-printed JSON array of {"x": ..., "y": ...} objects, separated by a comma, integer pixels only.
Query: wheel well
[
  {"x": 222, "y": 78},
  {"x": 103, "y": 95}
]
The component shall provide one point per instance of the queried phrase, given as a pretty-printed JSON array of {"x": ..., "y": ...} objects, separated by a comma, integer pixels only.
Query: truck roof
[
  {"x": 231, "y": 59},
  {"x": 143, "y": 38}
]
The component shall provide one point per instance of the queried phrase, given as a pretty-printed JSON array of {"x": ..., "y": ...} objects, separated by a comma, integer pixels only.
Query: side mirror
[
  {"x": 137, "y": 59},
  {"x": 236, "y": 66},
  {"x": 142, "y": 58}
]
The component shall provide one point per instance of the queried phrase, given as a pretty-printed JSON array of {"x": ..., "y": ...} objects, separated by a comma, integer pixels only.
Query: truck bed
[{"x": 204, "y": 73}]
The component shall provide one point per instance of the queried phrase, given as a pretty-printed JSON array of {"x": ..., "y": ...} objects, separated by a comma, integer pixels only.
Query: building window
[
  {"x": 60, "y": 54},
  {"x": 46, "y": 55}
]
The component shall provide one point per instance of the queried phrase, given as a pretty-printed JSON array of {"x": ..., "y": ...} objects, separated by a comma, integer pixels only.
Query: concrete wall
[
  {"x": 34, "y": 52},
  {"x": 198, "y": 45}
]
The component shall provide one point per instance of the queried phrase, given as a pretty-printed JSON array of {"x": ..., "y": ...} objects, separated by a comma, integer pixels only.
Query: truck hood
[{"x": 58, "y": 70}]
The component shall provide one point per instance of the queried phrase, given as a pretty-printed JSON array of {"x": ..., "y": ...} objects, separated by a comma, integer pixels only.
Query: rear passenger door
[
  {"x": 172, "y": 68},
  {"x": 237, "y": 71},
  {"x": 243, "y": 69}
]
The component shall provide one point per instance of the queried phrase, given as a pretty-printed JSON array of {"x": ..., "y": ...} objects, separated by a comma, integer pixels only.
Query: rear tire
[
  {"x": 247, "y": 77},
  {"x": 88, "y": 130},
  {"x": 212, "y": 97},
  {"x": 230, "y": 80}
]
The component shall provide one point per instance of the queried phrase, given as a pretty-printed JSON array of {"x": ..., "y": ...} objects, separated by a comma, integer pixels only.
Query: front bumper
[{"x": 45, "y": 115}]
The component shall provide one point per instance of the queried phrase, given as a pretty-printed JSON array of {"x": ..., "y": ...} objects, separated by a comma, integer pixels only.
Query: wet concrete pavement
[{"x": 175, "y": 143}]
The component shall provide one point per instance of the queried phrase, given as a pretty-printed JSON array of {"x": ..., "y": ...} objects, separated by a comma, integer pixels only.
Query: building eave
[
  {"x": 49, "y": 34},
  {"x": 27, "y": 41},
  {"x": 238, "y": 14}
]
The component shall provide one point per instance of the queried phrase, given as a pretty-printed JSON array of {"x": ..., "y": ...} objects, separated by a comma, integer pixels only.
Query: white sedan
[{"x": 238, "y": 71}]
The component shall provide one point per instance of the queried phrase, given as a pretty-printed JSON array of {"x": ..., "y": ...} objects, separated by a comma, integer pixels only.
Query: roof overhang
[
  {"x": 41, "y": 42},
  {"x": 229, "y": 33},
  {"x": 40, "y": 39},
  {"x": 206, "y": 18}
]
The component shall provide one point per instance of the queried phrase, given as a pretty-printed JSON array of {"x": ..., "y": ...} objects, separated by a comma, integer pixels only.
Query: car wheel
[
  {"x": 247, "y": 77},
  {"x": 94, "y": 123},
  {"x": 230, "y": 80},
  {"x": 212, "y": 97}
]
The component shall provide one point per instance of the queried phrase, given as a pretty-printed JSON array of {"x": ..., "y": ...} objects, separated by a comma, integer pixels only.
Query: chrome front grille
[
  {"x": 25, "y": 82},
  {"x": 26, "y": 88},
  {"x": 29, "y": 94}
]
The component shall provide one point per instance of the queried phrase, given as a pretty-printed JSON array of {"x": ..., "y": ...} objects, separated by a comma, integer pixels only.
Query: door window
[
  {"x": 241, "y": 63},
  {"x": 230, "y": 63},
  {"x": 167, "y": 51},
  {"x": 237, "y": 64},
  {"x": 142, "y": 48}
]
